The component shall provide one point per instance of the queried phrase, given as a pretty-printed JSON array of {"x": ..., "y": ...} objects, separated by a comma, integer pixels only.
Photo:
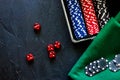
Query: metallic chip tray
[{"x": 69, "y": 26}]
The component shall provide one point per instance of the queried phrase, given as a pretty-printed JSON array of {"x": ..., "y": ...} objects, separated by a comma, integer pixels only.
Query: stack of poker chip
[
  {"x": 96, "y": 67},
  {"x": 78, "y": 24},
  {"x": 101, "y": 12},
  {"x": 90, "y": 16}
]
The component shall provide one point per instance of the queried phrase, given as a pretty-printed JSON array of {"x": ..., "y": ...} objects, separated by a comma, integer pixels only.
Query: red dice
[
  {"x": 50, "y": 47},
  {"x": 57, "y": 44},
  {"x": 52, "y": 54},
  {"x": 29, "y": 57},
  {"x": 37, "y": 27}
]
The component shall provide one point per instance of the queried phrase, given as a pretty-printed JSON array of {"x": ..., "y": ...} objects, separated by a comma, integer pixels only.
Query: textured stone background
[{"x": 17, "y": 38}]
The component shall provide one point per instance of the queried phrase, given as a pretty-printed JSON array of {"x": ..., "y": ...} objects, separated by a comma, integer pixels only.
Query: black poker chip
[
  {"x": 102, "y": 63},
  {"x": 95, "y": 66},
  {"x": 101, "y": 11},
  {"x": 117, "y": 60},
  {"x": 91, "y": 68},
  {"x": 113, "y": 67},
  {"x": 87, "y": 72}
]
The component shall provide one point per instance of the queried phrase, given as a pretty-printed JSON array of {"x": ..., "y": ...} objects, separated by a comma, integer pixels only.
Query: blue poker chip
[{"x": 76, "y": 16}]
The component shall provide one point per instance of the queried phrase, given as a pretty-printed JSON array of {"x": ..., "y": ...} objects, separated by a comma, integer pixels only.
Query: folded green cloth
[{"x": 106, "y": 44}]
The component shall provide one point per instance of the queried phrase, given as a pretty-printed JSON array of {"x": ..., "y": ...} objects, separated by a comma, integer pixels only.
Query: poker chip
[
  {"x": 78, "y": 24},
  {"x": 95, "y": 66},
  {"x": 101, "y": 12},
  {"x": 91, "y": 68},
  {"x": 113, "y": 67},
  {"x": 90, "y": 17},
  {"x": 87, "y": 71},
  {"x": 117, "y": 60},
  {"x": 102, "y": 63}
]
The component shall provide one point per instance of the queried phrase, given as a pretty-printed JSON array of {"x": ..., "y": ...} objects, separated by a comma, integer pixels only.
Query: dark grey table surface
[{"x": 17, "y": 38}]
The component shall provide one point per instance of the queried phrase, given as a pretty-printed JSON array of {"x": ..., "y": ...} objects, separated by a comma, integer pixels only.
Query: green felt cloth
[{"x": 106, "y": 44}]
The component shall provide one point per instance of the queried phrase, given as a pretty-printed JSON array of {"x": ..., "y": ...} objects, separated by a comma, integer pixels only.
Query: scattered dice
[
  {"x": 50, "y": 47},
  {"x": 37, "y": 27},
  {"x": 52, "y": 54},
  {"x": 57, "y": 44},
  {"x": 29, "y": 57}
]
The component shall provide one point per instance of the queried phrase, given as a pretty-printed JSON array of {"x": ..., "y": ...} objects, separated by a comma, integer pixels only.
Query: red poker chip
[{"x": 90, "y": 17}]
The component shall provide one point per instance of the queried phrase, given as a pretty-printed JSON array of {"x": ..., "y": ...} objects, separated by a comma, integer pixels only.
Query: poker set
[{"x": 83, "y": 18}]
